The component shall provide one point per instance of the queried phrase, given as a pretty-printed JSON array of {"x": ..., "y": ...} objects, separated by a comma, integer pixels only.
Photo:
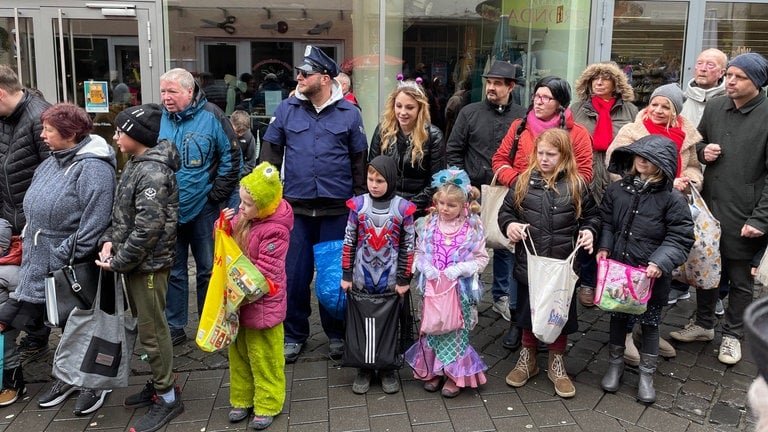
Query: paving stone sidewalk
[{"x": 695, "y": 391}]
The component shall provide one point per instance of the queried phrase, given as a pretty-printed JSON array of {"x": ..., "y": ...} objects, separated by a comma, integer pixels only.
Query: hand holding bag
[
  {"x": 95, "y": 348},
  {"x": 441, "y": 312},
  {"x": 703, "y": 266},
  {"x": 551, "y": 283},
  {"x": 73, "y": 285},
  {"x": 492, "y": 197},
  {"x": 621, "y": 287}
]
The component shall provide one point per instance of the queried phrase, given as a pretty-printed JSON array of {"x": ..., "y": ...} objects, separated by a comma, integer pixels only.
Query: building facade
[{"x": 105, "y": 54}]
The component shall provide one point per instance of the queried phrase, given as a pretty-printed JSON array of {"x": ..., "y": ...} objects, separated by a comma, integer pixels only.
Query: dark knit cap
[
  {"x": 754, "y": 65},
  {"x": 141, "y": 122},
  {"x": 559, "y": 87}
]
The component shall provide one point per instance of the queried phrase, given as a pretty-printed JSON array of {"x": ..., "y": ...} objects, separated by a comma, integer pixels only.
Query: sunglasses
[{"x": 305, "y": 74}]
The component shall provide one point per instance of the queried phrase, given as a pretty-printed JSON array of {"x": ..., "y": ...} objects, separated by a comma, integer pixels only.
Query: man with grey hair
[
  {"x": 210, "y": 171},
  {"x": 346, "y": 88}
]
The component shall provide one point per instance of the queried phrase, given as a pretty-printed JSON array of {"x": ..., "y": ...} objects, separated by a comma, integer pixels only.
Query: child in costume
[
  {"x": 451, "y": 244},
  {"x": 256, "y": 363},
  {"x": 551, "y": 201},
  {"x": 378, "y": 249},
  {"x": 644, "y": 205}
]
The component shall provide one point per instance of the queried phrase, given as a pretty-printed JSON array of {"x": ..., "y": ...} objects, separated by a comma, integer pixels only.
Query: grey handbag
[{"x": 95, "y": 348}]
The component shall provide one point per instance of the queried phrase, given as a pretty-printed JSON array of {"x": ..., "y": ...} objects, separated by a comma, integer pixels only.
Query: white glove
[
  {"x": 462, "y": 269},
  {"x": 430, "y": 272}
]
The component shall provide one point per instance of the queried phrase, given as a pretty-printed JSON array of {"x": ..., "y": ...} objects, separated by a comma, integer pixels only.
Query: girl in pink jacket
[{"x": 256, "y": 361}]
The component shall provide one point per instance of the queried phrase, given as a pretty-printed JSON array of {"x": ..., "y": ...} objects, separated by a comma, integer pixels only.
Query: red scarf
[
  {"x": 603, "y": 135},
  {"x": 675, "y": 133}
]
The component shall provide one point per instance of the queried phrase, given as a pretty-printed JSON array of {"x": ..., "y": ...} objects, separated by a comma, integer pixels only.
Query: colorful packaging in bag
[
  {"x": 621, "y": 287},
  {"x": 234, "y": 281}
]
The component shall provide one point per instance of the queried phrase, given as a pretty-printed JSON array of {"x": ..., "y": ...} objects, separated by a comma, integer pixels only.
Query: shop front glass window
[
  {"x": 736, "y": 28},
  {"x": 648, "y": 43}
]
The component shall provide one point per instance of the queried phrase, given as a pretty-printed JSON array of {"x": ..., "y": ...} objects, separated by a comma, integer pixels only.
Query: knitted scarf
[
  {"x": 603, "y": 135},
  {"x": 675, "y": 133},
  {"x": 537, "y": 126}
]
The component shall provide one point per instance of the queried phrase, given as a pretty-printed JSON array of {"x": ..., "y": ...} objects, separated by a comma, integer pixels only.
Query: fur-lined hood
[{"x": 623, "y": 89}]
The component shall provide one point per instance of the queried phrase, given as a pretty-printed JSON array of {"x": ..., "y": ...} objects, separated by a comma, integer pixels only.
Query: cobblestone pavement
[{"x": 695, "y": 391}]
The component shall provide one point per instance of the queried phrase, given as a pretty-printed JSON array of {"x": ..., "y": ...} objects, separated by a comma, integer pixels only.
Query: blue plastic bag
[{"x": 328, "y": 278}]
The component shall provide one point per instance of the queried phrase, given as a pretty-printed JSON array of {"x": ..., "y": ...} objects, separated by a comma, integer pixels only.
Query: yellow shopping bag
[{"x": 234, "y": 281}]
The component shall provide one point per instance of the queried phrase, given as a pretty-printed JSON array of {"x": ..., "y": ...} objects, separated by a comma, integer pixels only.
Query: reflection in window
[
  {"x": 648, "y": 42},
  {"x": 735, "y": 28}
]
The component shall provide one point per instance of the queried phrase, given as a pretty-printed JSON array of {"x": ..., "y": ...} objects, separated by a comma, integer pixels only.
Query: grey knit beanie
[
  {"x": 674, "y": 93},
  {"x": 754, "y": 65}
]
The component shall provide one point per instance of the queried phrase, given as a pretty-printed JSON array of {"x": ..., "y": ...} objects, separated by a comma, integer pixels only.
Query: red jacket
[
  {"x": 582, "y": 149},
  {"x": 14, "y": 253},
  {"x": 267, "y": 247}
]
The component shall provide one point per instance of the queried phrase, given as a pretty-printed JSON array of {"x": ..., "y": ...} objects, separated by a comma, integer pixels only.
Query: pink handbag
[
  {"x": 621, "y": 287},
  {"x": 441, "y": 312}
]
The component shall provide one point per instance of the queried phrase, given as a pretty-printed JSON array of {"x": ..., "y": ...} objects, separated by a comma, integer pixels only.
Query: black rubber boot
[
  {"x": 645, "y": 391},
  {"x": 513, "y": 336},
  {"x": 612, "y": 377}
]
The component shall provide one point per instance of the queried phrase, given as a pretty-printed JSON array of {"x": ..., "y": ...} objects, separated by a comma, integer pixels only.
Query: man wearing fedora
[
  {"x": 475, "y": 137},
  {"x": 317, "y": 136}
]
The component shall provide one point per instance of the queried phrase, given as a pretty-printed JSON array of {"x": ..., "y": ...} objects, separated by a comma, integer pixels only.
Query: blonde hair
[
  {"x": 390, "y": 126},
  {"x": 241, "y": 121},
  {"x": 656, "y": 177},
  {"x": 560, "y": 140},
  {"x": 450, "y": 190},
  {"x": 673, "y": 112}
]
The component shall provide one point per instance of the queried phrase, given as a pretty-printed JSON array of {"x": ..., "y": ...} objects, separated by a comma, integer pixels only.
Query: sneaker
[
  {"x": 89, "y": 400},
  {"x": 730, "y": 350},
  {"x": 56, "y": 394},
  {"x": 159, "y": 414},
  {"x": 142, "y": 398},
  {"x": 9, "y": 395},
  {"x": 501, "y": 306},
  {"x": 239, "y": 414},
  {"x": 389, "y": 382},
  {"x": 675, "y": 295},
  {"x": 30, "y": 351},
  {"x": 178, "y": 336},
  {"x": 692, "y": 332},
  {"x": 291, "y": 350},
  {"x": 719, "y": 309},
  {"x": 335, "y": 348},
  {"x": 261, "y": 422},
  {"x": 362, "y": 381}
]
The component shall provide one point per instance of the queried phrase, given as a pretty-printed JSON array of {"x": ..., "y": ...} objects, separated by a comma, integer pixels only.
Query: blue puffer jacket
[{"x": 210, "y": 154}]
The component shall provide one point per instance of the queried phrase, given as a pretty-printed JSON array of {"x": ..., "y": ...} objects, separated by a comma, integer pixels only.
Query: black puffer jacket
[
  {"x": 21, "y": 151},
  {"x": 413, "y": 182},
  {"x": 551, "y": 215},
  {"x": 146, "y": 212},
  {"x": 476, "y": 136},
  {"x": 650, "y": 223}
]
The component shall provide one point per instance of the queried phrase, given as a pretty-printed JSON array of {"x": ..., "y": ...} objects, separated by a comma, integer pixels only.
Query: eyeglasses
[
  {"x": 118, "y": 133},
  {"x": 305, "y": 74},
  {"x": 542, "y": 98},
  {"x": 706, "y": 65}
]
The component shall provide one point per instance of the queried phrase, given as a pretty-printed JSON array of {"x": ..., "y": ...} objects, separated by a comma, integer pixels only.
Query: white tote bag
[
  {"x": 491, "y": 199},
  {"x": 551, "y": 283}
]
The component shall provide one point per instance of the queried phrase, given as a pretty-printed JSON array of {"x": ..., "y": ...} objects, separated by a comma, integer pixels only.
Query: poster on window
[{"x": 96, "y": 96}]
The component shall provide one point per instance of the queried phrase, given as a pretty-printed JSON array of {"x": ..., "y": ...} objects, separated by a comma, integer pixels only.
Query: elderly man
[
  {"x": 475, "y": 137},
  {"x": 317, "y": 136},
  {"x": 210, "y": 170},
  {"x": 735, "y": 150}
]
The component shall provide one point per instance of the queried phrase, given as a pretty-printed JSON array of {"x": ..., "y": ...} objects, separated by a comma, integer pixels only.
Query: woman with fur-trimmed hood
[{"x": 604, "y": 106}]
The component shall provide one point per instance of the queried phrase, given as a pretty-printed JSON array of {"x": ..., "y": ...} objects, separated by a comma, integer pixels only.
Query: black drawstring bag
[{"x": 372, "y": 331}]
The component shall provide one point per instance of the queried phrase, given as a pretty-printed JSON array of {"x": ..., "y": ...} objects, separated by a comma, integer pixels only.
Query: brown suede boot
[
  {"x": 524, "y": 369},
  {"x": 557, "y": 374}
]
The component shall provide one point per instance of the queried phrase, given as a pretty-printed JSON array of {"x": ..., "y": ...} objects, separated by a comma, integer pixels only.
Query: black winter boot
[
  {"x": 513, "y": 336},
  {"x": 13, "y": 386},
  {"x": 612, "y": 377},
  {"x": 645, "y": 391}
]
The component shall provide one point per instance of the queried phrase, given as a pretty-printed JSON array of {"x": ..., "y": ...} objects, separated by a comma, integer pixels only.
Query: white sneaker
[
  {"x": 675, "y": 295},
  {"x": 502, "y": 307},
  {"x": 692, "y": 332},
  {"x": 719, "y": 308},
  {"x": 730, "y": 350}
]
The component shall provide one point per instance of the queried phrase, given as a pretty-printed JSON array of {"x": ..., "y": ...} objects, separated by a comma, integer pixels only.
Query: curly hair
[
  {"x": 390, "y": 127},
  {"x": 622, "y": 89}
]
